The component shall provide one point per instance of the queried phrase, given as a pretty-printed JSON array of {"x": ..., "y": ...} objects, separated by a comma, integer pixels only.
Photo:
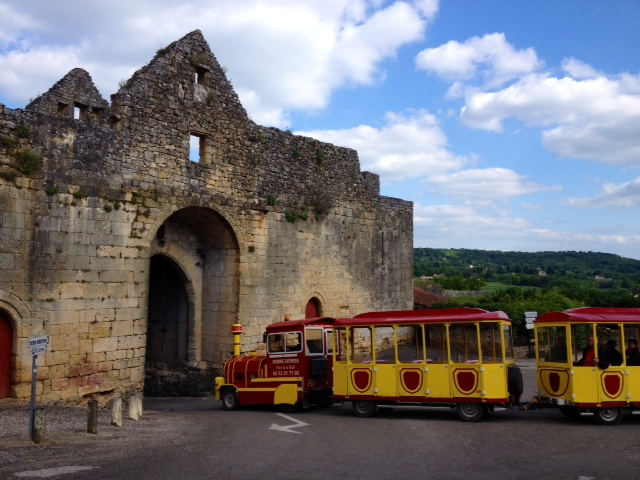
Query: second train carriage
[
  {"x": 455, "y": 357},
  {"x": 588, "y": 362}
]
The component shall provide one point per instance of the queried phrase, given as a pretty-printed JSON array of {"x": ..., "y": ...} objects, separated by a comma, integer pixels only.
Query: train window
[
  {"x": 436, "y": 339},
  {"x": 608, "y": 335},
  {"x": 360, "y": 350},
  {"x": 284, "y": 342},
  {"x": 314, "y": 341},
  {"x": 385, "y": 345},
  {"x": 341, "y": 342},
  {"x": 410, "y": 344},
  {"x": 508, "y": 341},
  {"x": 552, "y": 344},
  {"x": 464, "y": 343},
  {"x": 329, "y": 341},
  {"x": 631, "y": 338},
  {"x": 491, "y": 343},
  {"x": 580, "y": 334}
]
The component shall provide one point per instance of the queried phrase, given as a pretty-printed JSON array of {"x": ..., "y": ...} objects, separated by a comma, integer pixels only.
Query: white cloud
[
  {"x": 281, "y": 55},
  {"x": 490, "y": 57},
  {"x": 578, "y": 69},
  {"x": 484, "y": 184},
  {"x": 624, "y": 195},
  {"x": 595, "y": 118},
  {"x": 410, "y": 145},
  {"x": 585, "y": 114}
]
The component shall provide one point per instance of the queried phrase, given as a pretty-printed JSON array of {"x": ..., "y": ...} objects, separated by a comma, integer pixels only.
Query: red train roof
[
  {"x": 299, "y": 324},
  {"x": 424, "y": 316},
  {"x": 592, "y": 314}
]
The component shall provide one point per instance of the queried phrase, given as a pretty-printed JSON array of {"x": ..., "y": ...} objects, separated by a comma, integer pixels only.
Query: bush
[{"x": 28, "y": 161}]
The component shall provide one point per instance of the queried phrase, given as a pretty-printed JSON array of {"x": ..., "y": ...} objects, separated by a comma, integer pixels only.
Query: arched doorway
[
  {"x": 193, "y": 296},
  {"x": 312, "y": 310},
  {"x": 6, "y": 348}
]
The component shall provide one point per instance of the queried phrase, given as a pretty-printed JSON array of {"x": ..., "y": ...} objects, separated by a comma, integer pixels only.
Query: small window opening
[
  {"x": 116, "y": 122},
  {"x": 62, "y": 108},
  {"x": 80, "y": 112},
  {"x": 196, "y": 148},
  {"x": 201, "y": 74},
  {"x": 96, "y": 113}
]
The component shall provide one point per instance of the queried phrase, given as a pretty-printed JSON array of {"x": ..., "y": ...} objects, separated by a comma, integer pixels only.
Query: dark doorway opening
[
  {"x": 6, "y": 342},
  {"x": 167, "y": 330}
]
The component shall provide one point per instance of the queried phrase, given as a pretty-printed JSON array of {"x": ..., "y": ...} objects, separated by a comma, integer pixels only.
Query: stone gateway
[{"x": 135, "y": 256}]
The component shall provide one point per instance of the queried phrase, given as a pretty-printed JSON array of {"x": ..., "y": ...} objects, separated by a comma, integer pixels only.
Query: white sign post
[
  {"x": 530, "y": 318},
  {"x": 38, "y": 346}
]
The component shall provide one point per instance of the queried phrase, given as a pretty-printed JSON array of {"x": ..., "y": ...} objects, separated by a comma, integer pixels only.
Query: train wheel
[
  {"x": 571, "y": 413},
  {"x": 470, "y": 412},
  {"x": 363, "y": 408},
  {"x": 230, "y": 399},
  {"x": 608, "y": 416}
]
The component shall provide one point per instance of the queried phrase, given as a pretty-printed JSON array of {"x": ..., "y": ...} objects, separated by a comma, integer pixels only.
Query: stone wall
[{"x": 136, "y": 260}]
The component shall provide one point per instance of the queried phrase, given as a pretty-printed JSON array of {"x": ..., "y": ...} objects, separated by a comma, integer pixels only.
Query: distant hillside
[
  {"x": 489, "y": 264},
  {"x": 518, "y": 282}
]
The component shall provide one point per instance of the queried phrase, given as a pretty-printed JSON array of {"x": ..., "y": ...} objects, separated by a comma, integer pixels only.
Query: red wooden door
[
  {"x": 6, "y": 340},
  {"x": 313, "y": 309}
]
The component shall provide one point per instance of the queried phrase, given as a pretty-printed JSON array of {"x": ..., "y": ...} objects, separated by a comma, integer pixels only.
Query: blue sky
[{"x": 511, "y": 125}]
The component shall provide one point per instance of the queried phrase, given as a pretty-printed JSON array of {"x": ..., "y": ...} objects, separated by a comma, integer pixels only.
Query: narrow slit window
[
  {"x": 96, "y": 113},
  {"x": 196, "y": 148},
  {"x": 201, "y": 74}
]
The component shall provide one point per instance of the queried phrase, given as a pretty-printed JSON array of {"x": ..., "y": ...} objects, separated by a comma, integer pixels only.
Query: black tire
[
  {"x": 471, "y": 412},
  {"x": 230, "y": 399},
  {"x": 514, "y": 381},
  {"x": 608, "y": 416},
  {"x": 363, "y": 408},
  {"x": 572, "y": 413}
]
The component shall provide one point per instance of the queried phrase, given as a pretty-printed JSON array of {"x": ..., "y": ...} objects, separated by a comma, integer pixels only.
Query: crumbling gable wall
[{"x": 263, "y": 223}]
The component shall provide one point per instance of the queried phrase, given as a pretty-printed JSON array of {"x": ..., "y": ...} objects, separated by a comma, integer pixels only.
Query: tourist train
[{"x": 462, "y": 358}]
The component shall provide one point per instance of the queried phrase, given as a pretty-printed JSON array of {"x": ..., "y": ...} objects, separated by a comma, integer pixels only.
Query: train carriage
[
  {"x": 455, "y": 357},
  {"x": 588, "y": 362}
]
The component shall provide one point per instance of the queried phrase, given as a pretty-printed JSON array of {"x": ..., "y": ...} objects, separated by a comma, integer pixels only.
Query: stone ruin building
[{"x": 135, "y": 258}]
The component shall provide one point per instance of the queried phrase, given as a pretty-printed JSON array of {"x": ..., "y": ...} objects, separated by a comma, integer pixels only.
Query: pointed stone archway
[
  {"x": 6, "y": 351},
  {"x": 193, "y": 299}
]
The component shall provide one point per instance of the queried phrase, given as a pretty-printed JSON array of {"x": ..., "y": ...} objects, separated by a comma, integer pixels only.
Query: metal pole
[{"x": 34, "y": 376}]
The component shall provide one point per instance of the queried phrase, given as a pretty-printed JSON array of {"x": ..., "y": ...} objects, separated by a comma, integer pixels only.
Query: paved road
[{"x": 197, "y": 439}]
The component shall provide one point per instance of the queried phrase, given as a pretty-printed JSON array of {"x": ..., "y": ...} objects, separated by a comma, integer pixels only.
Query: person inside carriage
[{"x": 589, "y": 356}]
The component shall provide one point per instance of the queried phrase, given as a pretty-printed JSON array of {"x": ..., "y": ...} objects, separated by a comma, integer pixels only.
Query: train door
[
  {"x": 385, "y": 371},
  {"x": 412, "y": 369},
  {"x": 340, "y": 364},
  {"x": 494, "y": 371},
  {"x": 584, "y": 379},
  {"x": 438, "y": 371},
  {"x": 632, "y": 361},
  {"x": 464, "y": 346},
  {"x": 554, "y": 363},
  {"x": 612, "y": 382},
  {"x": 6, "y": 342},
  {"x": 360, "y": 363}
]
